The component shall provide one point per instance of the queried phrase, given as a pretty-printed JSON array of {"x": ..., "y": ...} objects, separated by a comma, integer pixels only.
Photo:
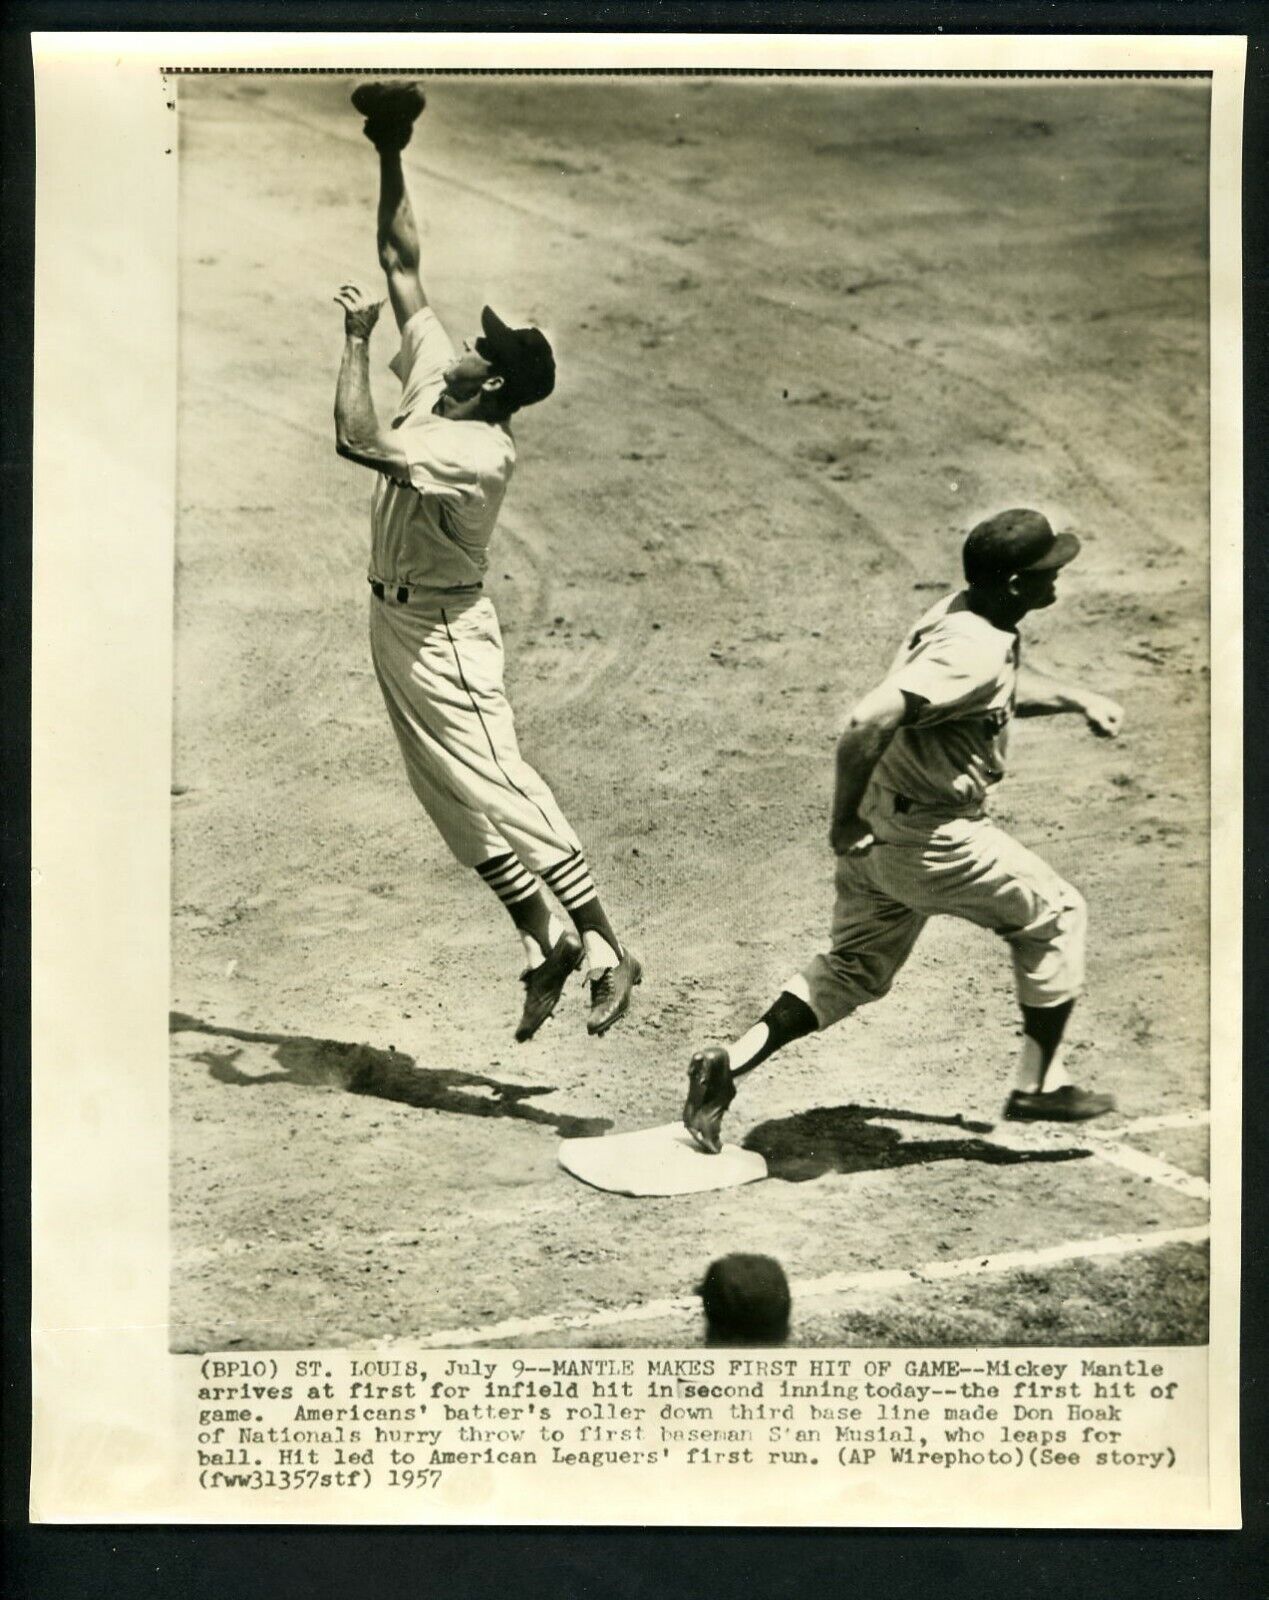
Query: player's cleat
[
  {"x": 610, "y": 992},
  {"x": 710, "y": 1090},
  {"x": 391, "y": 109},
  {"x": 1067, "y": 1104},
  {"x": 543, "y": 985}
]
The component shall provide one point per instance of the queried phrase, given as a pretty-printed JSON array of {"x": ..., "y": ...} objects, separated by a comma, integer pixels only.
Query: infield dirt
[{"x": 807, "y": 333}]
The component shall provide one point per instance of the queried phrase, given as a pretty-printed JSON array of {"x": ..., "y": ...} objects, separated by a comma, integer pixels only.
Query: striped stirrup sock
[
  {"x": 508, "y": 879},
  {"x": 570, "y": 881}
]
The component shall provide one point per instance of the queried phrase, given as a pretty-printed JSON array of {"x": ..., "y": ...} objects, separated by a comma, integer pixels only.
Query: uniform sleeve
[
  {"x": 420, "y": 363},
  {"x": 438, "y": 464},
  {"x": 948, "y": 675}
]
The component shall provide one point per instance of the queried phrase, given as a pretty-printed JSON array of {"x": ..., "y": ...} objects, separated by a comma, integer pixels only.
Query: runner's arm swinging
[
  {"x": 864, "y": 738},
  {"x": 1041, "y": 695}
]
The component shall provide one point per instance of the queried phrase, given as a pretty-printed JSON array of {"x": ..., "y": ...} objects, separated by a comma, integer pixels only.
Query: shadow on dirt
[
  {"x": 386, "y": 1074},
  {"x": 846, "y": 1139}
]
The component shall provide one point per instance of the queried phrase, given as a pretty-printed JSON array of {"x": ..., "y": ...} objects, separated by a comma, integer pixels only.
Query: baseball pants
[
  {"x": 441, "y": 671},
  {"x": 961, "y": 867}
]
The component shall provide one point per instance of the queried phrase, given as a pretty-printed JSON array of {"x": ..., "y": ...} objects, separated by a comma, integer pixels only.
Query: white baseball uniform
[
  {"x": 434, "y": 634},
  {"x": 936, "y": 850}
]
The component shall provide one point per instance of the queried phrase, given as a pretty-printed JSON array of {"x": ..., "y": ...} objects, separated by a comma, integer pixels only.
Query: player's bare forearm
[
  {"x": 356, "y": 420},
  {"x": 1041, "y": 695},
  {"x": 858, "y": 752},
  {"x": 358, "y": 436},
  {"x": 397, "y": 237},
  {"x": 861, "y": 744}
]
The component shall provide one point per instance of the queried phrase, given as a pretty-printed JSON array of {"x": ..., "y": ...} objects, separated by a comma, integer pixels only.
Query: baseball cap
[
  {"x": 746, "y": 1298},
  {"x": 1015, "y": 541},
  {"x": 522, "y": 356}
]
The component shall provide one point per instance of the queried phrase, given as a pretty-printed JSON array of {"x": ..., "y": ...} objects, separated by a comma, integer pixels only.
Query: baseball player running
[
  {"x": 915, "y": 762},
  {"x": 441, "y": 472}
]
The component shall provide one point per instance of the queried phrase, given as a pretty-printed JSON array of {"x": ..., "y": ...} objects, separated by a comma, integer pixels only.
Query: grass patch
[{"x": 1152, "y": 1297}]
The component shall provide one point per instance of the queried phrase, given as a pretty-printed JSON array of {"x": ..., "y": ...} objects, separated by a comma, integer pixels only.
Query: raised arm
[
  {"x": 358, "y": 436},
  {"x": 1041, "y": 695},
  {"x": 398, "y": 239},
  {"x": 865, "y": 735}
]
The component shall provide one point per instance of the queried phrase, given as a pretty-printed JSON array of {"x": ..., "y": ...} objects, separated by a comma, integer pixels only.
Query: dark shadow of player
[
  {"x": 386, "y": 1074},
  {"x": 846, "y": 1139}
]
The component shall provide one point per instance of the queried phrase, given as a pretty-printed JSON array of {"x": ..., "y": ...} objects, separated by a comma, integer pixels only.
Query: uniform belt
[{"x": 401, "y": 592}]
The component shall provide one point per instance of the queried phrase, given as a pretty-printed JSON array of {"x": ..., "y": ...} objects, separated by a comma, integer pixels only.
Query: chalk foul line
[{"x": 1111, "y": 1148}]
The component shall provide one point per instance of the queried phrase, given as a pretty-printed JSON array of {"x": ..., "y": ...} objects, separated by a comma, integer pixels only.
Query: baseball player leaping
[
  {"x": 442, "y": 470},
  {"x": 915, "y": 762}
]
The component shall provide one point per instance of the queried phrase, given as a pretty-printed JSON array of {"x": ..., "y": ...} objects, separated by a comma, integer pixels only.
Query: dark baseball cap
[
  {"x": 746, "y": 1299},
  {"x": 522, "y": 356},
  {"x": 1015, "y": 541}
]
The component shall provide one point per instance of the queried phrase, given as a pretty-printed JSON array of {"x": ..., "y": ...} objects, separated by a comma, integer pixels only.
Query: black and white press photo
[
  {"x": 663, "y": 884},
  {"x": 660, "y": 413}
]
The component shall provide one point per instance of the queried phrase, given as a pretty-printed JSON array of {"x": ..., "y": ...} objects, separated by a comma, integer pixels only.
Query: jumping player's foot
[
  {"x": 1067, "y": 1104},
  {"x": 543, "y": 985},
  {"x": 391, "y": 109},
  {"x": 610, "y": 992},
  {"x": 710, "y": 1090}
]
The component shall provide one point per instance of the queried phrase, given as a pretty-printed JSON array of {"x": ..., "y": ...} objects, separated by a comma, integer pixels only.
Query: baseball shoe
[
  {"x": 610, "y": 992},
  {"x": 710, "y": 1090},
  {"x": 544, "y": 985},
  {"x": 391, "y": 110},
  {"x": 1067, "y": 1104}
]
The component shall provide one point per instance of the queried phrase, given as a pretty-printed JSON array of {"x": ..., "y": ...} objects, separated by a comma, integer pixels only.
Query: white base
[{"x": 662, "y": 1160}]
